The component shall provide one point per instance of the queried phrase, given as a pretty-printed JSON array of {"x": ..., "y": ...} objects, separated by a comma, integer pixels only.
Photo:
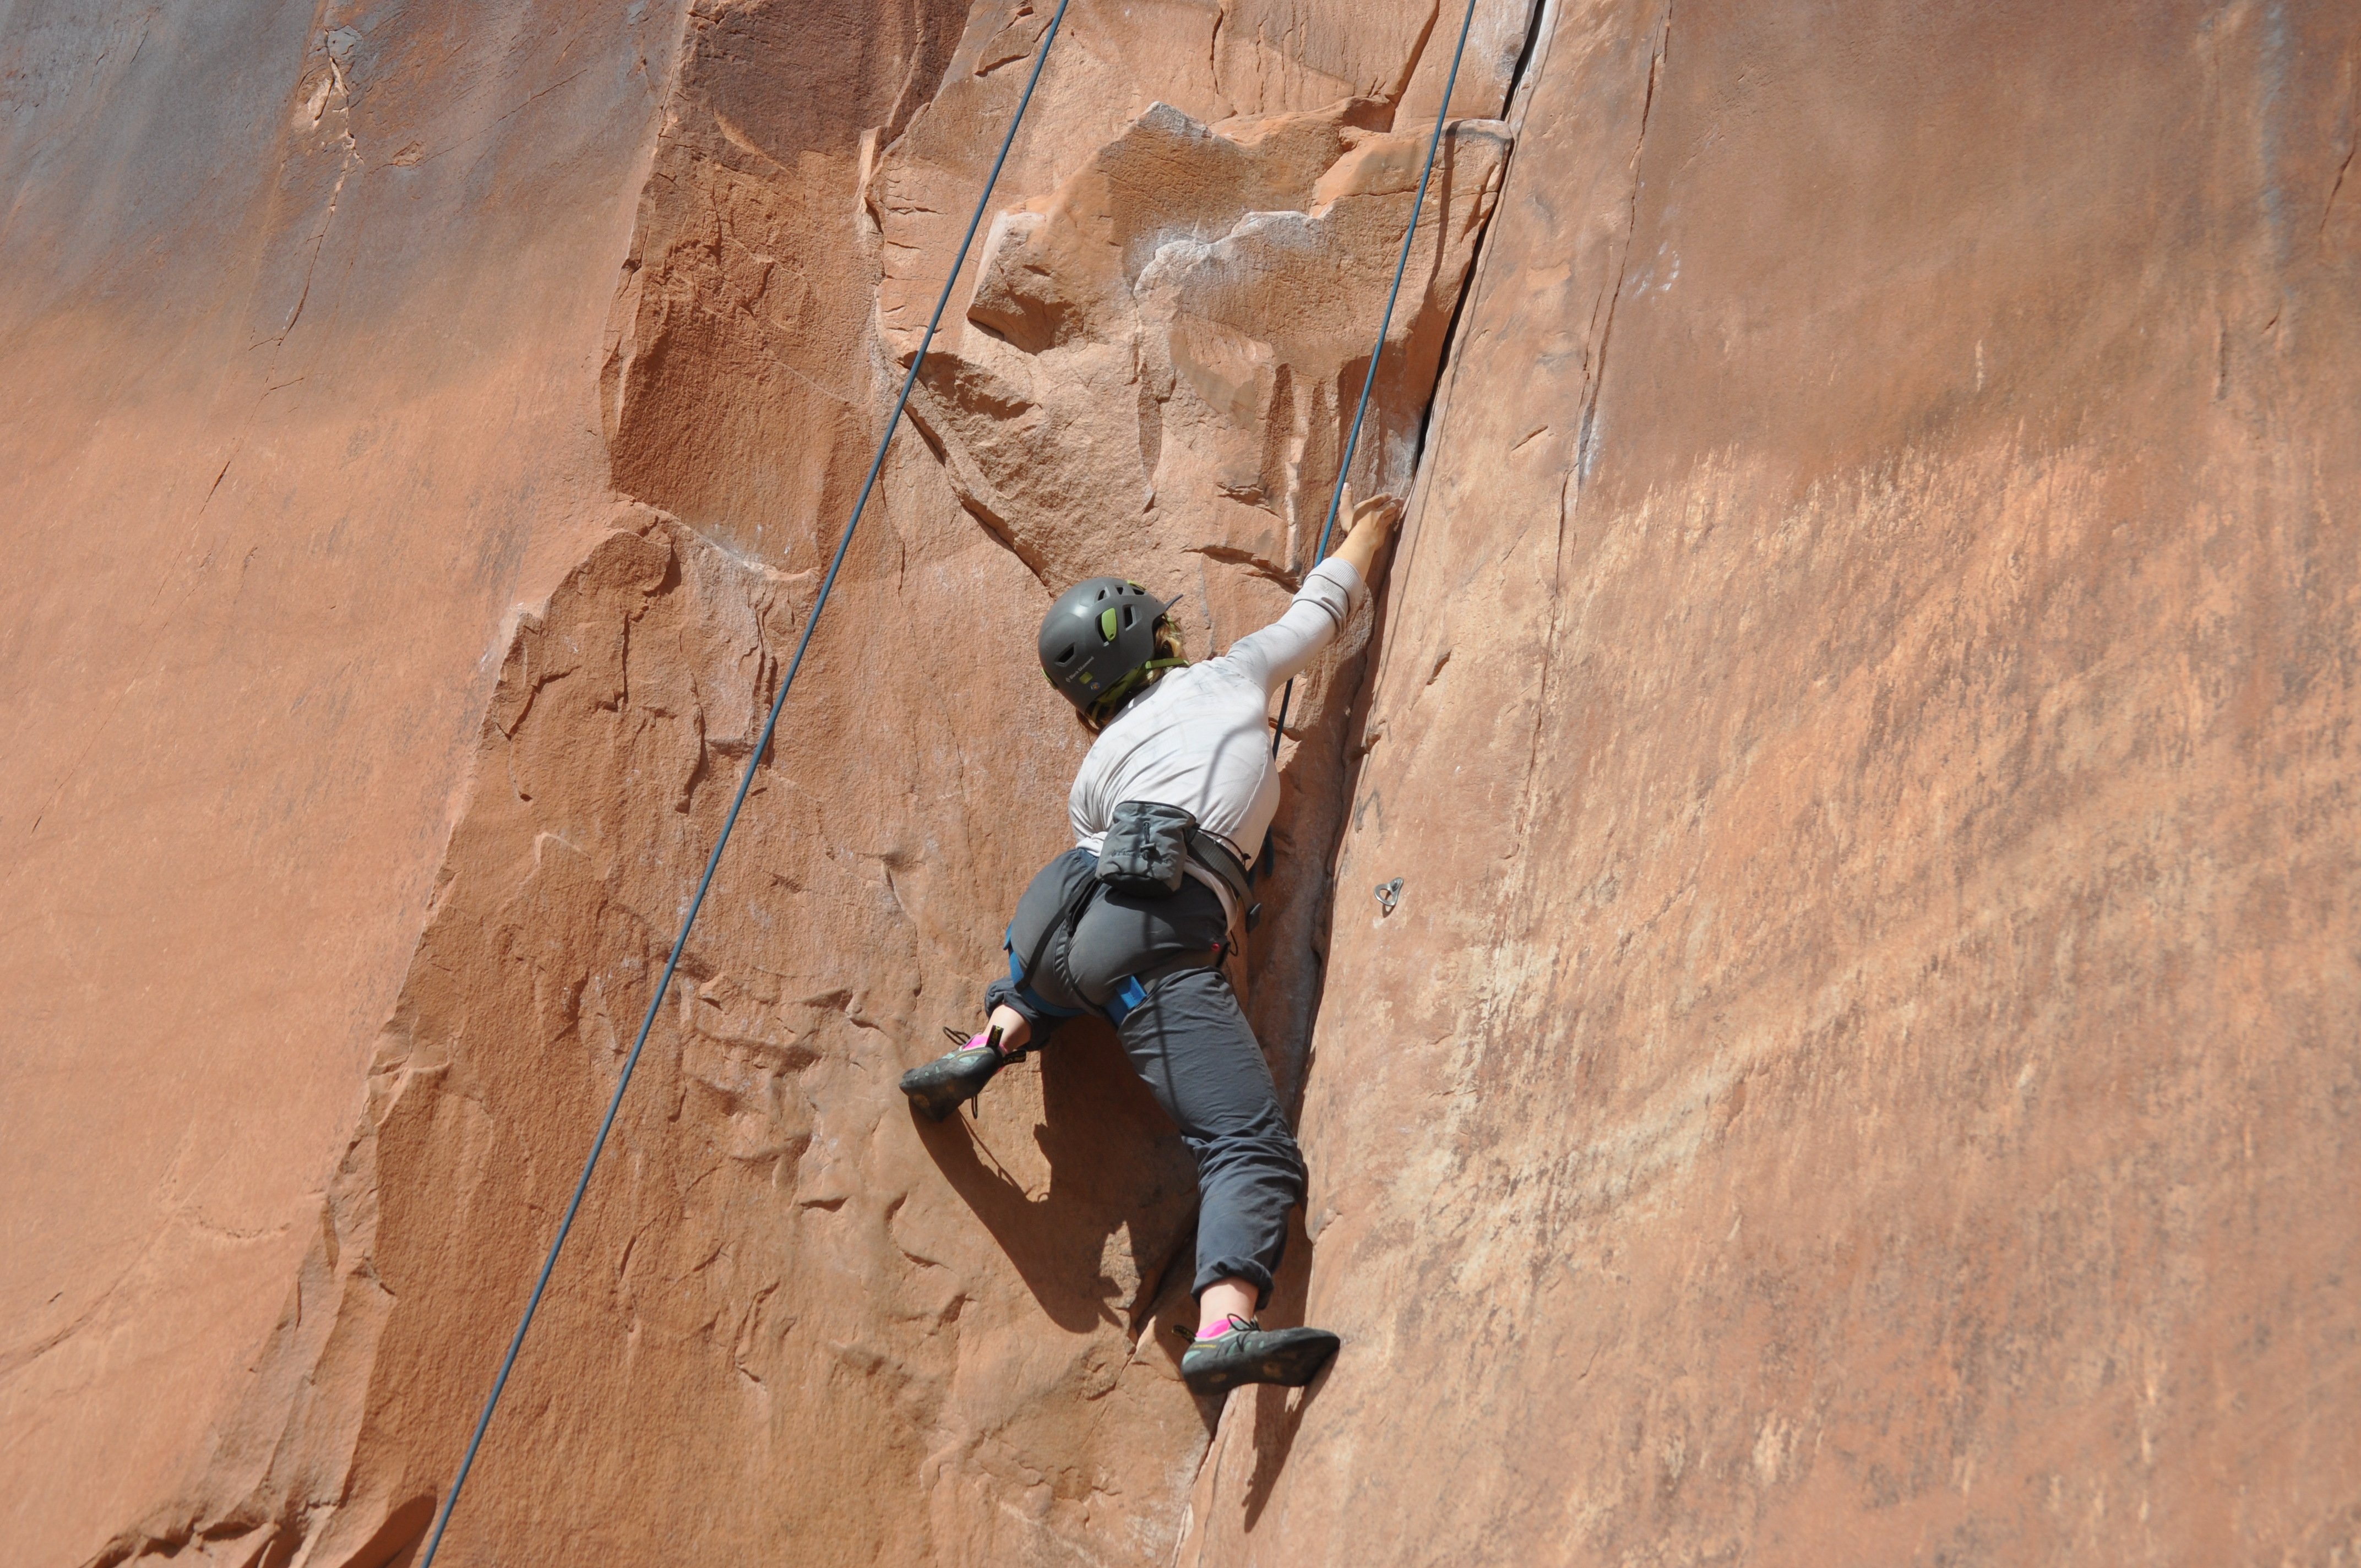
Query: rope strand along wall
[
  {"x": 1360, "y": 410},
  {"x": 762, "y": 747}
]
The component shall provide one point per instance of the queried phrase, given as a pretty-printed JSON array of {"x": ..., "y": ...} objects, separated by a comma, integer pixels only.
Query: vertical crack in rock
[
  {"x": 1570, "y": 491},
  {"x": 2352, "y": 128},
  {"x": 1337, "y": 735},
  {"x": 1417, "y": 54},
  {"x": 1587, "y": 441}
]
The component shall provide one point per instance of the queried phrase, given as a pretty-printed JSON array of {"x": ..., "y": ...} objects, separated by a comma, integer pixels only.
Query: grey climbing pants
[{"x": 1187, "y": 1037}]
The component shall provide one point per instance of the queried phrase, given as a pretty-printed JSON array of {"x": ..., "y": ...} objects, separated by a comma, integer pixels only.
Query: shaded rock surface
[{"x": 1860, "y": 1068}]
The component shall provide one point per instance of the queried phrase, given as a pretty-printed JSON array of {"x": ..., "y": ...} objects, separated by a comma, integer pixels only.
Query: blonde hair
[{"x": 1170, "y": 644}]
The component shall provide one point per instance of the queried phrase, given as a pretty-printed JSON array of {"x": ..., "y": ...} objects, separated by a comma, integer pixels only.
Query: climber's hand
[
  {"x": 1373, "y": 524},
  {"x": 1379, "y": 514},
  {"x": 1012, "y": 1028}
]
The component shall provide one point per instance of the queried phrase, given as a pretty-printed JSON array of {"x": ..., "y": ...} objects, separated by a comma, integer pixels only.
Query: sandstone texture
[{"x": 1861, "y": 1069}]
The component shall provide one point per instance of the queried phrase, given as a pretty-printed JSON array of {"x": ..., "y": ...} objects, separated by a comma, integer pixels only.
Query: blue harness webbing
[{"x": 1127, "y": 995}]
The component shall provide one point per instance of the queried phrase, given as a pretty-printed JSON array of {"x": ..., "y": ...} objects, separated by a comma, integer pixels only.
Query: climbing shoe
[
  {"x": 1248, "y": 1353},
  {"x": 950, "y": 1080}
]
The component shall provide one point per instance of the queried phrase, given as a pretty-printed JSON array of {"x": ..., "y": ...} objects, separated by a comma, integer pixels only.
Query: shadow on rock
[
  {"x": 1279, "y": 1412},
  {"x": 1114, "y": 1162},
  {"x": 1279, "y": 1415}
]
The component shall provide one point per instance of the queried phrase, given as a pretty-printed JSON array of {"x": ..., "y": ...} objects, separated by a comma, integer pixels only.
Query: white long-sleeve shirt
[{"x": 1200, "y": 740}]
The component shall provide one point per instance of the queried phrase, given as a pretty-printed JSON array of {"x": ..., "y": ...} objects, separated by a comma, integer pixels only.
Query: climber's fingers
[{"x": 1384, "y": 511}]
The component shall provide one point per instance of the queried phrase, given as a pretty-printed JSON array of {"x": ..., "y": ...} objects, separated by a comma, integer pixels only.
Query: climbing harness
[
  {"x": 1202, "y": 850},
  {"x": 1129, "y": 992},
  {"x": 1344, "y": 463},
  {"x": 615, "y": 1103}
]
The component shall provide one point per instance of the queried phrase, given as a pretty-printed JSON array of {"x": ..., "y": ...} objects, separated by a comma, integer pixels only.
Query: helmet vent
[{"x": 1067, "y": 657}]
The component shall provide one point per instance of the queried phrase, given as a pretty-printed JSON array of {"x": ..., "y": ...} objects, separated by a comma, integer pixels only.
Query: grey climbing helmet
[{"x": 1098, "y": 642}]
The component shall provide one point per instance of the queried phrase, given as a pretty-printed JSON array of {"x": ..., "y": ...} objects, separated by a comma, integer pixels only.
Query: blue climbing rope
[
  {"x": 1352, "y": 442},
  {"x": 656, "y": 1002}
]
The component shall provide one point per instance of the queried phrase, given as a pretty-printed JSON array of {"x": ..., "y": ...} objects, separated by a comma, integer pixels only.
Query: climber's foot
[
  {"x": 950, "y": 1080},
  {"x": 1249, "y": 1352}
]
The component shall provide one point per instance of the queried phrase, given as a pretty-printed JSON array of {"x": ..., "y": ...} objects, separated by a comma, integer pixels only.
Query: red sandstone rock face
[
  {"x": 301, "y": 317},
  {"x": 1863, "y": 723},
  {"x": 1861, "y": 1067}
]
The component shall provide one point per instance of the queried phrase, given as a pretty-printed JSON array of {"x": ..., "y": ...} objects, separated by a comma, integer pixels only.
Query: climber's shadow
[
  {"x": 1279, "y": 1413},
  {"x": 1114, "y": 1163}
]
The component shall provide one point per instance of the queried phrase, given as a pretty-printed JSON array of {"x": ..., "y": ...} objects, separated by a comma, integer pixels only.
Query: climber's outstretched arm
[{"x": 1279, "y": 652}]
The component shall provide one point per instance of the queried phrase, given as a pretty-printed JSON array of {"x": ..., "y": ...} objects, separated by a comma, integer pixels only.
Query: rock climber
[{"x": 1133, "y": 924}]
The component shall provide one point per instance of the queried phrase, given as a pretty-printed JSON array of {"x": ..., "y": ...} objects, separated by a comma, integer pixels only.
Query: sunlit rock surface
[{"x": 1860, "y": 1068}]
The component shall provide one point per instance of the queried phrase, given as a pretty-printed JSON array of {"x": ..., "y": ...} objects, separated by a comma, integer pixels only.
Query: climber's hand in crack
[{"x": 1372, "y": 526}]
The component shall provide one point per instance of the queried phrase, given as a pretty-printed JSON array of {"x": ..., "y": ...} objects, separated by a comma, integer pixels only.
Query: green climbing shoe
[
  {"x": 950, "y": 1080},
  {"x": 1251, "y": 1354}
]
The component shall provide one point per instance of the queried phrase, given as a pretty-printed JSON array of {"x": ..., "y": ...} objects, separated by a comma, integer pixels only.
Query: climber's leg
[
  {"x": 1222, "y": 1302},
  {"x": 1023, "y": 1007},
  {"x": 1191, "y": 1041}
]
